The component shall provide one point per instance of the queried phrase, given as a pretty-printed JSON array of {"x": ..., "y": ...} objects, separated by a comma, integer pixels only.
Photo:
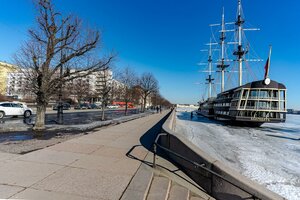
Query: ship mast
[
  {"x": 222, "y": 65},
  {"x": 240, "y": 51},
  {"x": 209, "y": 79}
]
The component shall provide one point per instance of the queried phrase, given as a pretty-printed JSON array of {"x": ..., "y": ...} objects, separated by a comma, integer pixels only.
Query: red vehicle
[{"x": 122, "y": 104}]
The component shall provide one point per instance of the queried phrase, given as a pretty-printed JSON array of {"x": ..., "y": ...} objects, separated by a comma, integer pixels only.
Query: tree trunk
[
  {"x": 102, "y": 116},
  {"x": 144, "y": 104},
  {"x": 126, "y": 108},
  {"x": 40, "y": 117}
]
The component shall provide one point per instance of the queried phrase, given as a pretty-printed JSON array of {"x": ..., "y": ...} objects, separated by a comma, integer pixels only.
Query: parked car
[
  {"x": 112, "y": 106},
  {"x": 66, "y": 106},
  {"x": 98, "y": 103},
  {"x": 14, "y": 109},
  {"x": 82, "y": 106},
  {"x": 94, "y": 106}
]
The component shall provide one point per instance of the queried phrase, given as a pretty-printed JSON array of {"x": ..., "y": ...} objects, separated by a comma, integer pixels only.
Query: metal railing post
[{"x": 154, "y": 155}]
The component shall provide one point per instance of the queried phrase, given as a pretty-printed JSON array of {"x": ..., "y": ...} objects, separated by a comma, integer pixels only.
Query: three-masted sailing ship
[{"x": 250, "y": 104}]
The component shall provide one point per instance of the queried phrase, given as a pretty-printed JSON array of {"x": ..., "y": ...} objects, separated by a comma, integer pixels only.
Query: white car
[
  {"x": 14, "y": 109},
  {"x": 112, "y": 106}
]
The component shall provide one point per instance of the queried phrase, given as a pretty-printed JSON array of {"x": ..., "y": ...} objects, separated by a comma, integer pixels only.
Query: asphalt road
[
  {"x": 70, "y": 117},
  {"x": 18, "y": 128}
]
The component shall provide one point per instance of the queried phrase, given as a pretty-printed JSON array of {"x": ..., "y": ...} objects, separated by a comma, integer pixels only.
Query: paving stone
[
  {"x": 92, "y": 166},
  {"x": 133, "y": 195},
  {"x": 51, "y": 156},
  {"x": 197, "y": 198},
  {"x": 102, "y": 135},
  {"x": 158, "y": 189},
  {"x": 111, "y": 152},
  {"x": 7, "y": 191},
  {"x": 122, "y": 144},
  {"x": 178, "y": 193},
  {"x": 76, "y": 147},
  {"x": 86, "y": 140},
  {"x": 115, "y": 152},
  {"x": 88, "y": 183},
  {"x": 7, "y": 156},
  {"x": 95, "y": 163},
  {"x": 126, "y": 166},
  {"x": 34, "y": 194},
  {"x": 141, "y": 180},
  {"x": 21, "y": 173},
  {"x": 108, "y": 164}
]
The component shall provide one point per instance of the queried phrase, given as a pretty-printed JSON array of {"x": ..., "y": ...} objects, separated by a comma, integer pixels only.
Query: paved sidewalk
[{"x": 93, "y": 166}]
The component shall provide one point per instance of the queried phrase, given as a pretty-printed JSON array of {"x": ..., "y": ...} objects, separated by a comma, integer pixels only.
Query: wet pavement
[
  {"x": 86, "y": 167},
  {"x": 70, "y": 118},
  {"x": 19, "y": 128}
]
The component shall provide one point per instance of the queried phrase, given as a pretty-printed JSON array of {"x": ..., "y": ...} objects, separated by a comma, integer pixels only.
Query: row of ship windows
[
  {"x": 264, "y": 94},
  {"x": 269, "y": 105},
  {"x": 252, "y": 114},
  {"x": 222, "y": 112},
  {"x": 222, "y": 104},
  {"x": 258, "y": 114}
]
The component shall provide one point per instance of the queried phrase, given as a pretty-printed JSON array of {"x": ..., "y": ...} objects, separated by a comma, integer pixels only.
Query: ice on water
[{"x": 269, "y": 155}]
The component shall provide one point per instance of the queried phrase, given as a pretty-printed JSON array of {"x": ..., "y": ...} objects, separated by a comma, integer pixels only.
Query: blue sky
[{"x": 165, "y": 37}]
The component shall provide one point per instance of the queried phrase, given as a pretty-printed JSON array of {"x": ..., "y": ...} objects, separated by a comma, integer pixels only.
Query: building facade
[
  {"x": 5, "y": 70},
  {"x": 86, "y": 87}
]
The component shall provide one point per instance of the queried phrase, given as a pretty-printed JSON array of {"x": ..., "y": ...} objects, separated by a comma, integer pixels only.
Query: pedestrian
[
  {"x": 160, "y": 108},
  {"x": 157, "y": 108}
]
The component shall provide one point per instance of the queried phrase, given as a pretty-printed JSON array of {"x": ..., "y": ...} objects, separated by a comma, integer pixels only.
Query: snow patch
[{"x": 269, "y": 155}]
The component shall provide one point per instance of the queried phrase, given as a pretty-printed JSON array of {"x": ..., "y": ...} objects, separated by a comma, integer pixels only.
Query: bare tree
[
  {"x": 148, "y": 85},
  {"x": 116, "y": 93},
  {"x": 104, "y": 79},
  {"x": 158, "y": 99},
  {"x": 136, "y": 96},
  {"x": 81, "y": 89},
  {"x": 128, "y": 79},
  {"x": 57, "y": 41}
]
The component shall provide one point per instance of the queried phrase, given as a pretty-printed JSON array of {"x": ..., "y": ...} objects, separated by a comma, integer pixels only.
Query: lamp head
[{"x": 267, "y": 81}]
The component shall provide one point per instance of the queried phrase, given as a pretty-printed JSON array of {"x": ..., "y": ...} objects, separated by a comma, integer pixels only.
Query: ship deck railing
[
  {"x": 255, "y": 108},
  {"x": 257, "y": 98},
  {"x": 262, "y": 108},
  {"x": 261, "y": 97}
]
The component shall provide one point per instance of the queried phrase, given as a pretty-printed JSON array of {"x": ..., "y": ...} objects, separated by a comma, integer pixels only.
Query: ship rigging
[{"x": 251, "y": 104}]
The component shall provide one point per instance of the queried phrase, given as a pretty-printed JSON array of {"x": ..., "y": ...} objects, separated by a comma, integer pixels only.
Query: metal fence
[{"x": 201, "y": 171}]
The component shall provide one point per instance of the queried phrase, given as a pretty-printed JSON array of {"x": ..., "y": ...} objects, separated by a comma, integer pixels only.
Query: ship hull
[{"x": 252, "y": 104}]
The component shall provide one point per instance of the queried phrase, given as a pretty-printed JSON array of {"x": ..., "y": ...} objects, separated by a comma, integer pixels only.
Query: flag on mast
[
  {"x": 267, "y": 69},
  {"x": 267, "y": 66}
]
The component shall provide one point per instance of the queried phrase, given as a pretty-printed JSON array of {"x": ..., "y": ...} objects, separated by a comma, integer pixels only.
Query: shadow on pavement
[
  {"x": 150, "y": 164},
  {"x": 148, "y": 138}
]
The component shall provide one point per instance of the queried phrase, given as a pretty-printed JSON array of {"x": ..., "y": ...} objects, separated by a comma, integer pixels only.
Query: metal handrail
[{"x": 202, "y": 166}]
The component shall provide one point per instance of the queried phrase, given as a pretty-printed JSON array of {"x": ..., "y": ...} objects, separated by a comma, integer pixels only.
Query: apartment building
[
  {"x": 5, "y": 70},
  {"x": 90, "y": 85}
]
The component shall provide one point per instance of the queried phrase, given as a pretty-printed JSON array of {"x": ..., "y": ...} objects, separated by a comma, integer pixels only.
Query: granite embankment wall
[{"x": 242, "y": 187}]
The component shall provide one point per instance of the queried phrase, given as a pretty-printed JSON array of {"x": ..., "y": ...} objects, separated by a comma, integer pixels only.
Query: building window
[
  {"x": 245, "y": 92},
  {"x": 242, "y": 103},
  {"x": 282, "y": 95},
  {"x": 253, "y": 93}
]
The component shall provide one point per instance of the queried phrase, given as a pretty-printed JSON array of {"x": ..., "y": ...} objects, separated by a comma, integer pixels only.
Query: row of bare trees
[
  {"x": 54, "y": 43},
  {"x": 58, "y": 43},
  {"x": 136, "y": 88}
]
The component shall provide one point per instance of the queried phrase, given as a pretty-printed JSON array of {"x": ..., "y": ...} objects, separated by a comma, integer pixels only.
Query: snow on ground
[{"x": 269, "y": 155}]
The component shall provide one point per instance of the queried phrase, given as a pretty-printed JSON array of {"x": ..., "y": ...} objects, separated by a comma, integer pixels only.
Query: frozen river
[{"x": 269, "y": 155}]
